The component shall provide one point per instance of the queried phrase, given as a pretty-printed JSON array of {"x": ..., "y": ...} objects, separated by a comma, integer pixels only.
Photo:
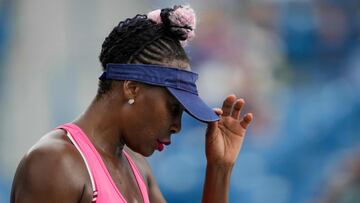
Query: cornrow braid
[
  {"x": 127, "y": 38},
  {"x": 160, "y": 51},
  {"x": 139, "y": 40}
]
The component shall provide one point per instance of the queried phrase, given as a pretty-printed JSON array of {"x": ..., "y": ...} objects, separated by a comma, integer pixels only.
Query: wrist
[{"x": 220, "y": 167}]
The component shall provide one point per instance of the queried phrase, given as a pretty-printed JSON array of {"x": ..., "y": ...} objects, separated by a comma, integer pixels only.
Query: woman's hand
[{"x": 225, "y": 137}]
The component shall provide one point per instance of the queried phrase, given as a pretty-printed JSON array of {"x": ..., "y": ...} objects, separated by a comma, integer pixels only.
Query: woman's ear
[{"x": 131, "y": 89}]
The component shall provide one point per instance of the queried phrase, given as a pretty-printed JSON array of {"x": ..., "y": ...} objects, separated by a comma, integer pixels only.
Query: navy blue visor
[{"x": 180, "y": 83}]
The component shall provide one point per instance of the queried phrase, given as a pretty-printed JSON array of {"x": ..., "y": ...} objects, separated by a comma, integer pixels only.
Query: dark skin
[{"x": 53, "y": 170}]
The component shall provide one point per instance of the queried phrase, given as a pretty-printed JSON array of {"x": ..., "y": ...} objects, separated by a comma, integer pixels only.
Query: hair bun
[{"x": 179, "y": 21}]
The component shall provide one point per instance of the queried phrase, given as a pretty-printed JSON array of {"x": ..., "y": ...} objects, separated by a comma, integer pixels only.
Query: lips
[{"x": 160, "y": 144}]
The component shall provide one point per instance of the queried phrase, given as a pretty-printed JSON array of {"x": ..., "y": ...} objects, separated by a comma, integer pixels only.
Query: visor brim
[{"x": 194, "y": 105}]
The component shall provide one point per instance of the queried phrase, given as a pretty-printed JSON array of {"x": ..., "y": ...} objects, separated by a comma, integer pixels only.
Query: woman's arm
[
  {"x": 224, "y": 139},
  {"x": 216, "y": 186}
]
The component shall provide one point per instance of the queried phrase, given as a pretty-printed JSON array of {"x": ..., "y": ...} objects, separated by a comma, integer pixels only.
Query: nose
[{"x": 176, "y": 125}]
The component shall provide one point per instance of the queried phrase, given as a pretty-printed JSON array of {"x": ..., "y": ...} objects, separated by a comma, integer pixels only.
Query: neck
[{"x": 98, "y": 124}]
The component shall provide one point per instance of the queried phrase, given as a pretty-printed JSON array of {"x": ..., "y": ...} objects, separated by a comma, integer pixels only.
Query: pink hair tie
[
  {"x": 183, "y": 16},
  {"x": 180, "y": 19},
  {"x": 155, "y": 16}
]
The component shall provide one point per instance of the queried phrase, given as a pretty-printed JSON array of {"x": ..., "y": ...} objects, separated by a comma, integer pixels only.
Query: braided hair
[{"x": 156, "y": 38}]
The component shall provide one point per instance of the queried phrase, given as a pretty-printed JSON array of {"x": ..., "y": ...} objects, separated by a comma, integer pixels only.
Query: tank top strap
[
  {"x": 139, "y": 179},
  {"x": 78, "y": 140}
]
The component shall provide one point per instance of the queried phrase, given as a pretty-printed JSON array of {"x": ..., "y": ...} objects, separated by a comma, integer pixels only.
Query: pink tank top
[{"x": 104, "y": 188}]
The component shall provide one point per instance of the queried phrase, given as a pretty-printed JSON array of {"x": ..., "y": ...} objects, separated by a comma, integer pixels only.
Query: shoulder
[{"x": 52, "y": 168}]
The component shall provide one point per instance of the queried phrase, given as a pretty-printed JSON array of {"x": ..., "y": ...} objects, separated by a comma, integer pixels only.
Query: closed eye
[{"x": 176, "y": 109}]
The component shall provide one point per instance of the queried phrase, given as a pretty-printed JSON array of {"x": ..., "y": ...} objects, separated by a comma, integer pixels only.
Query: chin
[{"x": 145, "y": 153}]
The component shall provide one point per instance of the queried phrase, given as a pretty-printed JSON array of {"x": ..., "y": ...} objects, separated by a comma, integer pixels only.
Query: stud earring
[{"x": 131, "y": 101}]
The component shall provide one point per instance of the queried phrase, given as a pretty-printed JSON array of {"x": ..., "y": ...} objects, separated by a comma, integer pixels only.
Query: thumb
[
  {"x": 210, "y": 131},
  {"x": 211, "y": 127},
  {"x": 210, "y": 136}
]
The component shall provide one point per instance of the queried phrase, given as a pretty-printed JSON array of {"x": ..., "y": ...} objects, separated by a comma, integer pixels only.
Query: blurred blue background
[{"x": 296, "y": 63}]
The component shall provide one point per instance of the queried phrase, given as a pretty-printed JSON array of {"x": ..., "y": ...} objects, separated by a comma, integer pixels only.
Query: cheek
[
  {"x": 155, "y": 117},
  {"x": 153, "y": 114},
  {"x": 145, "y": 135},
  {"x": 141, "y": 140},
  {"x": 148, "y": 133},
  {"x": 153, "y": 127}
]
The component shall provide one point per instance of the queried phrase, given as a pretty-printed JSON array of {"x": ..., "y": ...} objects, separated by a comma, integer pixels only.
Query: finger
[
  {"x": 246, "y": 120},
  {"x": 227, "y": 105},
  {"x": 218, "y": 111},
  {"x": 237, "y": 108}
]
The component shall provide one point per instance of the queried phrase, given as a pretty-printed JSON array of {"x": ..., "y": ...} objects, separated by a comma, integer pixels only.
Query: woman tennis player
[{"x": 145, "y": 86}]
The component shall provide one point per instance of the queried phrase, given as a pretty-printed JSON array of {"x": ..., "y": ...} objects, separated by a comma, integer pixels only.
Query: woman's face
[{"x": 154, "y": 116}]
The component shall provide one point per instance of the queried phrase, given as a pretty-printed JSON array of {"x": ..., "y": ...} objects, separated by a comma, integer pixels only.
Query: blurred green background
[{"x": 296, "y": 63}]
